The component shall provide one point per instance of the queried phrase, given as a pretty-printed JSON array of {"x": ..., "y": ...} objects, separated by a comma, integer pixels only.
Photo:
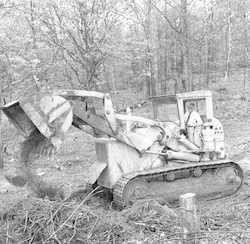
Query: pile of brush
[{"x": 80, "y": 219}]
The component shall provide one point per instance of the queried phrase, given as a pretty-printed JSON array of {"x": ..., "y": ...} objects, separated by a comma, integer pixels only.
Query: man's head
[{"x": 191, "y": 107}]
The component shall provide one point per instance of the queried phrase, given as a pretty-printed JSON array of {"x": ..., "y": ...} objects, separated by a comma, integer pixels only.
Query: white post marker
[{"x": 189, "y": 220}]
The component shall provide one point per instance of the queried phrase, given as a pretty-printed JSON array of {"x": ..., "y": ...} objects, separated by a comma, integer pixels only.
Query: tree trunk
[
  {"x": 248, "y": 61},
  {"x": 113, "y": 77},
  {"x": 1, "y": 136},
  {"x": 228, "y": 39},
  {"x": 32, "y": 22},
  {"x": 209, "y": 45},
  {"x": 165, "y": 65},
  {"x": 186, "y": 81},
  {"x": 159, "y": 61},
  {"x": 150, "y": 80},
  {"x": 178, "y": 69},
  {"x": 165, "y": 70},
  {"x": 246, "y": 56}
]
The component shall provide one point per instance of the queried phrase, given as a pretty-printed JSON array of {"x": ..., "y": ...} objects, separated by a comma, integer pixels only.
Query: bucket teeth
[
  {"x": 39, "y": 145},
  {"x": 45, "y": 149}
]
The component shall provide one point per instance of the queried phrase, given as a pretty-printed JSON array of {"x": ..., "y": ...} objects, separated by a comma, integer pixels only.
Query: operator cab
[{"x": 173, "y": 107}]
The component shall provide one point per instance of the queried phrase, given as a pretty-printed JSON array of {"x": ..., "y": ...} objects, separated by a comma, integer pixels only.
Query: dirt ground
[{"x": 68, "y": 169}]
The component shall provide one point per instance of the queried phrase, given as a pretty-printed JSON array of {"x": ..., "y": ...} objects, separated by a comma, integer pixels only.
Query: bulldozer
[{"x": 137, "y": 158}]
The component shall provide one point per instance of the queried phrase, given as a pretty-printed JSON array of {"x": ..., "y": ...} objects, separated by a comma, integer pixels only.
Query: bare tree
[
  {"x": 209, "y": 42},
  {"x": 187, "y": 82},
  {"x": 1, "y": 137},
  {"x": 142, "y": 13},
  {"x": 245, "y": 49},
  {"x": 82, "y": 32},
  {"x": 228, "y": 39},
  {"x": 5, "y": 9}
]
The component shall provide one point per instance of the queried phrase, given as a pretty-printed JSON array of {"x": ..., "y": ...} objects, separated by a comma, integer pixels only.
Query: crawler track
[{"x": 210, "y": 184}]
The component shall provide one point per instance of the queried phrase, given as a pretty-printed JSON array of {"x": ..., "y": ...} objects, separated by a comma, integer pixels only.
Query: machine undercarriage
[{"x": 208, "y": 180}]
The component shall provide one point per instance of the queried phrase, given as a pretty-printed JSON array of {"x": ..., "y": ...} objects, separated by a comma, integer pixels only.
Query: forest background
[{"x": 151, "y": 47}]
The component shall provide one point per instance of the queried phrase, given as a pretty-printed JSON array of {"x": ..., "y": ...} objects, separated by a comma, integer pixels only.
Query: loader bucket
[{"x": 48, "y": 114}]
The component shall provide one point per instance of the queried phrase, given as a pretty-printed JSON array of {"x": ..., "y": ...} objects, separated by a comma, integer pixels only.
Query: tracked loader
[{"x": 136, "y": 158}]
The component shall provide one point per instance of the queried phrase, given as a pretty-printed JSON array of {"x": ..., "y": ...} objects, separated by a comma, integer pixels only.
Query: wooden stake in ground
[{"x": 189, "y": 220}]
